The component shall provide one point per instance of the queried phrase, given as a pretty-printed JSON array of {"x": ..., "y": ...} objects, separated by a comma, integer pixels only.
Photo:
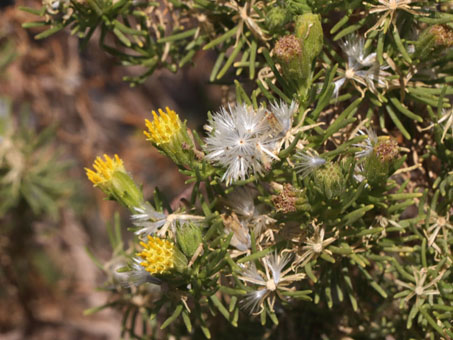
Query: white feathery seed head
[
  {"x": 152, "y": 222},
  {"x": 254, "y": 300},
  {"x": 276, "y": 263},
  {"x": 368, "y": 144},
  {"x": 239, "y": 140},
  {"x": 283, "y": 117},
  {"x": 138, "y": 275},
  {"x": 148, "y": 219},
  {"x": 354, "y": 47},
  {"x": 308, "y": 162}
]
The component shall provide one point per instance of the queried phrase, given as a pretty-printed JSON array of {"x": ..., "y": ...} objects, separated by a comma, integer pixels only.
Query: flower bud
[
  {"x": 276, "y": 18},
  {"x": 309, "y": 31},
  {"x": 189, "y": 238},
  {"x": 125, "y": 191},
  {"x": 169, "y": 134},
  {"x": 288, "y": 51},
  {"x": 330, "y": 180},
  {"x": 378, "y": 163},
  {"x": 296, "y": 53},
  {"x": 111, "y": 177}
]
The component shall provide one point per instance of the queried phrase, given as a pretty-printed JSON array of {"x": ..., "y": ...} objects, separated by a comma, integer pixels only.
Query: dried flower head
[
  {"x": 163, "y": 127},
  {"x": 389, "y": 8},
  {"x": 287, "y": 48},
  {"x": 436, "y": 225},
  {"x": 386, "y": 149},
  {"x": 361, "y": 68},
  {"x": 443, "y": 35},
  {"x": 419, "y": 289},
  {"x": 312, "y": 246},
  {"x": 271, "y": 283},
  {"x": 285, "y": 200}
]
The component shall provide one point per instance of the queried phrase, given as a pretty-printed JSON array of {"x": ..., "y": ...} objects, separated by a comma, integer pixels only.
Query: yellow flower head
[
  {"x": 158, "y": 255},
  {"x": 163, "y": 127},
  {"x": 104, "y": 169}
]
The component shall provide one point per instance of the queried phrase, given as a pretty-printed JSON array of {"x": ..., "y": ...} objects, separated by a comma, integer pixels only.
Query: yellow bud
[
  {"x": 163, "y": 127},
  {"x": 110, "y": 176},
  {"x": 104, "y": 169}
]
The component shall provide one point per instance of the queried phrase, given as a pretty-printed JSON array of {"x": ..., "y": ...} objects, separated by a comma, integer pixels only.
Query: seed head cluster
[{"x": 241, "y": 140}]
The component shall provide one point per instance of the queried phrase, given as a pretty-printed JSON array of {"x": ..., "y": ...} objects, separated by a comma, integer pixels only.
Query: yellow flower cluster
[
  {"x": 158, "y": 255},
  {"x": 104, "y": 169},
  {"x": 163, "y": 127}
]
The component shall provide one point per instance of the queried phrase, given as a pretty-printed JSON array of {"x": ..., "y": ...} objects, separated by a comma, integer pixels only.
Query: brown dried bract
[
  {"x": 386, "y": 150},
  {"x": 285, "y": 201},
  {"x": 443, "y": 35}
]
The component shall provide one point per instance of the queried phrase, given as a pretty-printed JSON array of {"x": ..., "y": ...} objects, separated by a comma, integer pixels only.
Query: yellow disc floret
[
  {"x": 163, "y": 127},
  {"x": 104, "y": 169},
  {"x": 157, "y": 255}
]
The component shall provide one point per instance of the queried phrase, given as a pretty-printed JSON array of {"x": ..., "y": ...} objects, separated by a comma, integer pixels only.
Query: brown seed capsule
[
  {"x": 285, "y": 201},
  {"x": 386, "y": 149},
  {"x": 288, "y": 48},
  {"x": 443, "y": 35}
]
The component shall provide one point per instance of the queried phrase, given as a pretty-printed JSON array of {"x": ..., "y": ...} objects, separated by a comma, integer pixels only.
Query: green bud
[
  {"x": 296, "y": 53},
  {"x": 378, "y": 163},
  {"x": 276, "y": 18},
  {"x": 124, "y": 190},
  {"x": 297, "y": 7},
  {"x": 180, "y": 261},
  {"x": 189, "y": 238},
  {"x": 309, "y": 31},
  {"x": 330, "y": 180}
]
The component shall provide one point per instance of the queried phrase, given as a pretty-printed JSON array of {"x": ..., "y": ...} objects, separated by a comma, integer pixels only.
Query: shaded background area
[{"x": 46, "y": 276}]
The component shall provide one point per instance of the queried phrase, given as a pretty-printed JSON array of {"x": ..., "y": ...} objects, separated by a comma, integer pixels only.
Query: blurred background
[{"x": 60, "y": 107}]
